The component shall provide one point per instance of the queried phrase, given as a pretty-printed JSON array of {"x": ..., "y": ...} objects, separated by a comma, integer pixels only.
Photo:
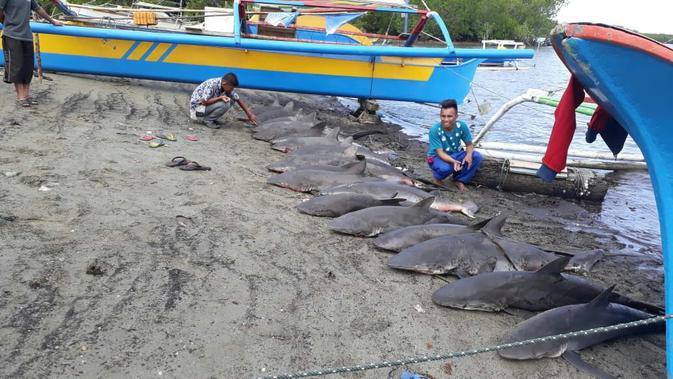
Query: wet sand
[{"x": 114, "y": 265}]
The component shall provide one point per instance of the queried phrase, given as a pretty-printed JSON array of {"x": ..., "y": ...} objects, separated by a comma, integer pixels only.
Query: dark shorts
[{"x": 18, "y": 60}]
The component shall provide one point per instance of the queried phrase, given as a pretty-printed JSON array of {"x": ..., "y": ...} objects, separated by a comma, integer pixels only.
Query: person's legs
[
  {"x": 28, "y": 64},
  {"x": 467, "y": 173},
  {"x": 216, "y": 110},
  {"x": 440, "y": 170}
]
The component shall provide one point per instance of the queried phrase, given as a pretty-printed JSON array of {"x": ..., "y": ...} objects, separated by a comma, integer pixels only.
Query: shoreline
[{"x": 216, "y": 273}]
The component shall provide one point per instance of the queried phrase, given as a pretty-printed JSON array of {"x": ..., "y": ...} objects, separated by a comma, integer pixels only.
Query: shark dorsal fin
[
  {"x": 494, "y": 225},
  {"x": 358, "y": 168},
  {"x": 289, "y": 106},
  {"x": 602, "y": 300},
  {"x": 275, "y": 103},
  {"x": 395, "y": 201},
  {"x": 554, "y": 267},
  {"x": 425, "y": 203},
  {"x": 481, "y": 224},
  {"x": 320, "y": 125}
]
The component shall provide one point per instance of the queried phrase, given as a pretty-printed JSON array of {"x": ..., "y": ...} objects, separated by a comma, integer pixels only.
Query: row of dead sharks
[{"x": 368, "y": 197}]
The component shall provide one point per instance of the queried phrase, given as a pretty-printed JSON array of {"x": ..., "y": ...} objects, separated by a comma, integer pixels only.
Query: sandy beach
[{"x": 114, "y": 265}]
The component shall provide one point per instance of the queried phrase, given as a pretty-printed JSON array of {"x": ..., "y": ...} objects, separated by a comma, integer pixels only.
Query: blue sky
[{"x": 647, "y": 16}]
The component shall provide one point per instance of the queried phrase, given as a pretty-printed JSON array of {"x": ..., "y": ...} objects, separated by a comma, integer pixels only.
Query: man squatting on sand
[
  {"x": 17, "y": 42},
  {"x": 213, "y": 98},
  {"x": 446, "y": 155}
]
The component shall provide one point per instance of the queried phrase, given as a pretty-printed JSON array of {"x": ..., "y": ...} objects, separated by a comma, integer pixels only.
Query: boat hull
[
  {"x": 631, "y": 76},
  {"x": 192, "y": 59}
]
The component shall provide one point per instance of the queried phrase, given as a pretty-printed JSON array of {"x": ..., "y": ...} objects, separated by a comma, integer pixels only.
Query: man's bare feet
[
  {"x": 461, "y": 186},
  {"x": 438, "y": 182}
]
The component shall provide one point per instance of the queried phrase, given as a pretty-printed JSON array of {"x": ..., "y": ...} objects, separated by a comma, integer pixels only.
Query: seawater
[{"x": 629, "y": 206}]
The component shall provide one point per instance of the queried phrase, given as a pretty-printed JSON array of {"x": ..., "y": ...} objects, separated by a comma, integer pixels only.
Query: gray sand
[{"x": 215, "y": 273}]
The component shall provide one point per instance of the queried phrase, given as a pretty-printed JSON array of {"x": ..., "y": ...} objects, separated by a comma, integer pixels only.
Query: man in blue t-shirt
[{"x": 446, "y": 155}]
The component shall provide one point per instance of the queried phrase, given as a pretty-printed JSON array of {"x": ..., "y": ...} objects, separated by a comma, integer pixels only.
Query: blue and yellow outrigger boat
[{"x": 355, "y": 65}]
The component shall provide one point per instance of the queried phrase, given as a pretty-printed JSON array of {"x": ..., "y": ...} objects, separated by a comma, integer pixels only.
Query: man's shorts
[{"x": 19, "y": 59}]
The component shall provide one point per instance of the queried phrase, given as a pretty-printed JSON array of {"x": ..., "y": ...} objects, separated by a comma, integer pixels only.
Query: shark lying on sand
[
  {"x": 400, "y": 239},
  {"x": 308, "y": 180},
  {"x": 598, "y": 313},
  {"x": 370, "y": 222},
  {"x": 540, "y": 290},
  {"x": 338, "y": 205}
]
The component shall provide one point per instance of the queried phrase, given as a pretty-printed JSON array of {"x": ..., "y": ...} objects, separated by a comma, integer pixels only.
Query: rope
[
  {"x": 466, "y": 353},
  {"x": 504, "y": 171}
]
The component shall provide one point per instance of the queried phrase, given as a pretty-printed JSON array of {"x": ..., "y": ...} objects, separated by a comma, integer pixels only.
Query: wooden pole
[{"x": 38, "y": 56}]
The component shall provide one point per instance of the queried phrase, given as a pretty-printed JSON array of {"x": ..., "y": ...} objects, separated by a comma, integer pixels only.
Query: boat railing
[{"x": 577, "y": 158}]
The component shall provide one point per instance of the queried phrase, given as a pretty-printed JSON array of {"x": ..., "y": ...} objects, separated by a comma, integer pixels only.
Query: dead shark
[
  {"x": 600, "y": 312},
  {"x": 400, "y": 239},
  {"x": 338, "y": 205},
  {"x": 370, "y": 222},
  {"x": 308, "y": 180},
  {"x": 540, "y": 290}
]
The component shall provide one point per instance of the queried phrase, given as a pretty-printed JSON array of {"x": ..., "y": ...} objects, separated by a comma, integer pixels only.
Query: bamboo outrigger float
[{"x": 343, "y": 67}]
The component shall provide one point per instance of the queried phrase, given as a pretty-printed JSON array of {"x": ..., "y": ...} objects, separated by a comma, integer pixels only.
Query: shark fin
[
  {"x": 358, "y": 168},
  {"x": 320, "y": 125},
  {"x": 494, "y": 226},
  {"x": 480, "y": 224},
  {"x": 602, "y": 300},
  {"x": 425, "y": 203},
  {"x": 576, "y": 360},
  {"x": 395, "y": 201},
  {"x": 289, "y": 106},
  {"x": 554, "y": 267}
]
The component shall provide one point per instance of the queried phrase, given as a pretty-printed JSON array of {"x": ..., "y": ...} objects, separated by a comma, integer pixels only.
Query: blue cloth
[
  {"x": 546, "y": 174},
  {"x": 334, "y": 22},
  {"x": 448, "y": 141},
  {"x": 442, "y": 169}
]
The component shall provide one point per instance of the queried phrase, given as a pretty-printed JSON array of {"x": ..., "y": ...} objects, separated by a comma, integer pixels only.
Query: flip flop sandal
[
  {"x": 33, "y": 101},
  {"x": 168, "y": 136},
  {"x": 177, "y": 161},
  {"x": 147, "y": 137},
  {"x": 156, "y": 143},
  {"x": 23, "y": 103},
  {"x": 193, "y": 166},
  {"x": 191, "y": 137}
]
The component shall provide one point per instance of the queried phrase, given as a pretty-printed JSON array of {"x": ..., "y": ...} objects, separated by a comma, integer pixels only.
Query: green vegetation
[
  {"x": 665, "y": 38},
  {"x": 473, "y": 20},
  {"x": 522, "y": 20}
]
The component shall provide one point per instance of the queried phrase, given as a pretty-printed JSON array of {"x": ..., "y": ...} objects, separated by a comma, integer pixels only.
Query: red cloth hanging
[{"x": 564, "y": 127}]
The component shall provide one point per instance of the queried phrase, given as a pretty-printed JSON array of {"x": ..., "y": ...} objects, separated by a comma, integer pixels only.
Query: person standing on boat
[
  {"x": 213, "y": 98},
  {"x": 446, "y": 156},
  {"x": 17, "y": 43}
]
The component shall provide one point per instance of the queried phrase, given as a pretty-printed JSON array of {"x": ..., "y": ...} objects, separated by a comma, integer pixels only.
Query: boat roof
[{"x": 364, "y": 5}]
